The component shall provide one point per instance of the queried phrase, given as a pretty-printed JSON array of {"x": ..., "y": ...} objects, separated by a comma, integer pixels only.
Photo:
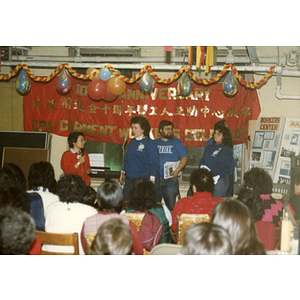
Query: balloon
[
  {"x": 230, "y": 85},
  {"x": 108, "y": 96},
  {"x": 146, "y": 83},
  {"x": 104, "y": 74},
  {"x": 92, "y": 71},
  {"x": 116, "y": 85},
  {"x": 23, "y": 83},
  {"x": 96, "y": 89},
  {"x": 112, "y": 75},
  {"x": 63, "y": 83},
  {"x": 184, "y": 86}
]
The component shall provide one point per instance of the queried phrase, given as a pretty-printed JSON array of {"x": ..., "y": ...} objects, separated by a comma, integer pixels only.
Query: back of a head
[
  {"x": 15, "y": 196},
  {"x": 41, "y": 174},
  {"x": 206, "y": 239},
  {"x": 90, "y": 197},
  {"x": 258, "y": 180},
  {"x": 237, "y": 219},
  {"x": 17, "y": 231},
  {"x": 110, "y": 196},
  {"x": 253, "y": 201},
  {"x": 202, "y": 179},
  {"x": 113, "y": 238},
  {"x": 142, "y": 195},
  {"x": 12, "y": 175},
  {"x": 70, "y": 188}
]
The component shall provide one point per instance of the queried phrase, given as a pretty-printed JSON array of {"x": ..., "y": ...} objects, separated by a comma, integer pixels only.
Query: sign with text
[{"x": 45, "y": 110}]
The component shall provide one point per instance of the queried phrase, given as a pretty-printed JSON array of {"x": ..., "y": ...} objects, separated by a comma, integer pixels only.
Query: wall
[{"x": 11, "y": 117}]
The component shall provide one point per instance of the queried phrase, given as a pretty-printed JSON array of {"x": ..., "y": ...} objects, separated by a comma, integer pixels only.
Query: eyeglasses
[{"x": 81, "y": 141}]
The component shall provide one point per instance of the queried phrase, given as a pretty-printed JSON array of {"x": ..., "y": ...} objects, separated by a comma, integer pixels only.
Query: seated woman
[
  {"x": 113, "y": 237},
  {"x": 110, "y": 200},
  {"x": 266, "y": 231},
  {"x": 42, "y": 191},
  {"x": 68, "y": 214},
  {"x": 259, "y": 180},
  {"x": 237, "y": 219},
  {"x": 142, "y": 198},
  {"x": 206, "y": 239}
]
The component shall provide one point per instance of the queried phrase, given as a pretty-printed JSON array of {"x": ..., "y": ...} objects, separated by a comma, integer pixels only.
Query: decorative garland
[{"x": 140, "y": 74}]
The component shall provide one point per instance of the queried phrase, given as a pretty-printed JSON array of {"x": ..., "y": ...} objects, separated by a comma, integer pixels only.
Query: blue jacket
[
  {"x": 218, "y": 158},
  {"x": 141, "y": 158}
]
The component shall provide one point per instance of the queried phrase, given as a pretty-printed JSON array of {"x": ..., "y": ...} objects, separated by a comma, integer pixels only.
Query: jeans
[
  {"x": 169, "y": 190},
  {"x": 220, "y": 189}
]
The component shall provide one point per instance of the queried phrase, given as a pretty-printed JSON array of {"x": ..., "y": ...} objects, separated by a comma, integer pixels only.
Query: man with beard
[{"x": 173, "y": 158}]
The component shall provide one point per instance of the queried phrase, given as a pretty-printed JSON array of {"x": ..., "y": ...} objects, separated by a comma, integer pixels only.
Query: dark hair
[
  {"x": 258, "y": 180},
  {"x": 237, "y": 219},
  {"x": 206, "y": 239},
  {"x": 14, "y": 196},
  {"x": 142, "y": 195},
  {"x": 164, "y": 123},
  {"x": 70, "y": 188},
  {"x": 41, "y": 174},
  {"x": 89, "y": 197},
  {"x": 221, "y": 123},
  {"x": 17, "y": 231},
  {"x": 143, "y": 122},
  {"x": 110, "y": 196},
  {"x": 73, "y": 137},
  {"x": 253, "y": 201},
  {"x": 12, "y": 175},
  {"x": 202, "y": 179},
  {"x": 227, "y": 139},
  {"x": 113, "y": 238}
]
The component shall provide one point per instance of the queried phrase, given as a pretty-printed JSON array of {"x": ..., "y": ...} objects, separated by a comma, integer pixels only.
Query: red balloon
[
  {"x": 96, "y": 89},
  {"x": 108, "y": 96},
  {"x": 116, "y": 85}
]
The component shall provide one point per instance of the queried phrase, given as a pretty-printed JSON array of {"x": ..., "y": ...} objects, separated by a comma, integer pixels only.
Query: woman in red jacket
[{"x": 76, "y": 161}]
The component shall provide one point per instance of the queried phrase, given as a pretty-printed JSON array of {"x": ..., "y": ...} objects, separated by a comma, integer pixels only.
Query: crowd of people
[{"x": 245, "y": 224}]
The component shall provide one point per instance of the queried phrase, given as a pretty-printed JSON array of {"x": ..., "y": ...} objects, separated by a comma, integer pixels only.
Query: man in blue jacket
[{"x": 173, "y": 158}]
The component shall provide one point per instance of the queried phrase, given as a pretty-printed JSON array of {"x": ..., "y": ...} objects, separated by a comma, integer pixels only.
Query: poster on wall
[
  {"x": 266, "y": 143},
  {"x": 290, "y": 146}
]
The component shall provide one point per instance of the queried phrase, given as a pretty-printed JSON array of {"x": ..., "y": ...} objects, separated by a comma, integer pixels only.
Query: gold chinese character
[{"x": 66, "y": 103}]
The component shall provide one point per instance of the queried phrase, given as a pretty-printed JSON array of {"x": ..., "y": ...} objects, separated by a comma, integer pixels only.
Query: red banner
[{"x": 193, "y": 116}]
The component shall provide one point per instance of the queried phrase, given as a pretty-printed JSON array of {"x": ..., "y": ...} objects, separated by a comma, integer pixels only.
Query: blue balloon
[{"x": 104, "y": 74}]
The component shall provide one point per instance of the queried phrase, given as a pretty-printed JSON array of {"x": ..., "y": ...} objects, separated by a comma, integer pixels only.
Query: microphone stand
[{"x": 123, "y": 158}]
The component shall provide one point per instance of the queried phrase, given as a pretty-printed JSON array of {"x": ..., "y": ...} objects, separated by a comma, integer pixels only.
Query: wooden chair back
[
  {"x": 58, "y": 239},
  {"x": 136, "y": 219},
  {"x": 185, "y": 220}
]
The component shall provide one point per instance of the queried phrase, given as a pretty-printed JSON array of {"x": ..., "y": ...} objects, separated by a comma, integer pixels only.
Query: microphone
[
  {"x": 124, "y": 143},
  {"x": 81, "y": 151}
]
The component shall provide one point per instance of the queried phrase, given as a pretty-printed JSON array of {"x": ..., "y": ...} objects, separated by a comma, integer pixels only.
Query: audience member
[
  {"x": 294, "y": 200},
  {"x": 266, "y": 231},
  {"x": 17, "y": 231},
  {"x": 170, "y": 150},
  {"x": 113, "y": 237},
  {"x": 110, "y": 201},
  {"x": 11, "y": 174},
  {"x": 259, "y": 180},
  {"x": 141, "y": 158},
  {"x": 142, "y": 198},
  {"x": 218, "y": 158},
  {"x": 68, "y": 214},
  {"x": 90, "y": 197},
  {"x": 206, "y": 239},
  {"x": 237, "y": 219},
  {"x": 42, "y": 191},
  {"x": 75, "y": 161},
  {"x": 202, "y": 201}
]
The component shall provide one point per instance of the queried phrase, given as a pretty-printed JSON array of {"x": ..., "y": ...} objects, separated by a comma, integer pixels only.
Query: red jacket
[{"x": 69, "y": 160}]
